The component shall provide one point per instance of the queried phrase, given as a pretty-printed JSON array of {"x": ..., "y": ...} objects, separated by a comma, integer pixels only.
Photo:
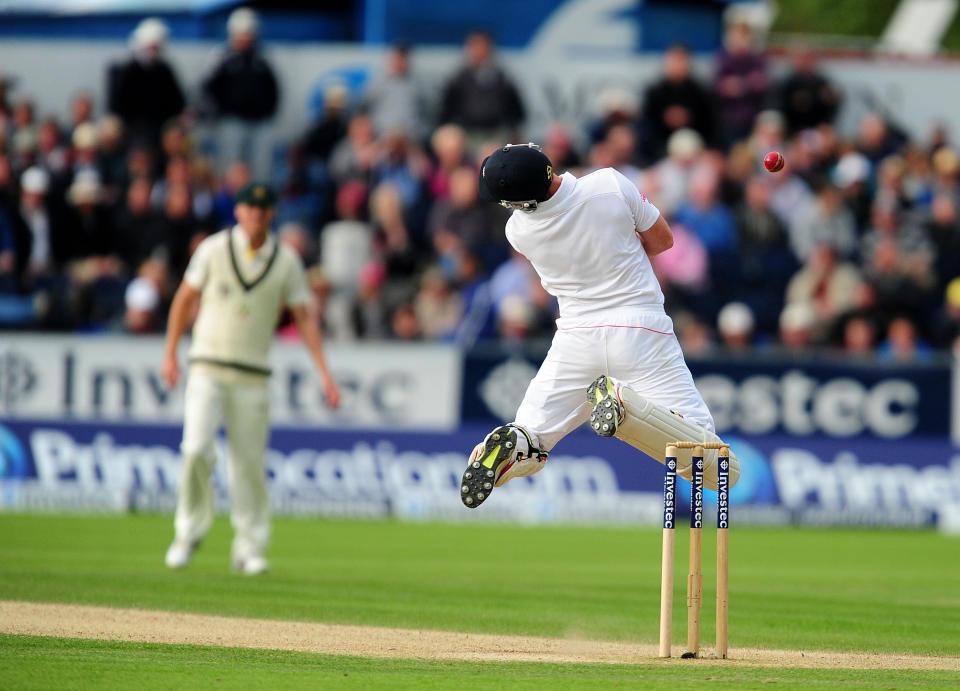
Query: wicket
[{"x": 695, "y": 578}]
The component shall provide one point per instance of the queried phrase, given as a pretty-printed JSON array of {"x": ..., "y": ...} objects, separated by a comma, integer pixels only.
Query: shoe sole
[
  {"x": 479, "y": 477},
  {"x": 605, "y": 416}
]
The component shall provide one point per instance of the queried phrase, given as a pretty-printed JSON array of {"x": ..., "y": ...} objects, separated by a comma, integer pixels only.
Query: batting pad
[{"x": 649, "y": 427}]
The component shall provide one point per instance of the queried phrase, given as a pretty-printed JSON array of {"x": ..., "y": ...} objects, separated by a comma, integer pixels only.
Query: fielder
[
  {"x": 590, "y": 240},
  {"x": 242, "y": 278}
]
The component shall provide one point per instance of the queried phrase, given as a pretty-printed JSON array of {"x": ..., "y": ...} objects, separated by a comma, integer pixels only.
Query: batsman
[{"x": 614, "y": 359}]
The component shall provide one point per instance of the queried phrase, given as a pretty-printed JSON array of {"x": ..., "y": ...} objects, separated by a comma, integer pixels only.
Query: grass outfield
[
  {"x": 33, "y": 663},
  {"x": 884, "y": 591}
]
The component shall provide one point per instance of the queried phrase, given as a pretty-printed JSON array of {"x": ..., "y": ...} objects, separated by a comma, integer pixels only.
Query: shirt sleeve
[
  {"x": 296, "y": 291},
  {"x": 199, "y": 267},
  {"x": 644, "y": 213}
]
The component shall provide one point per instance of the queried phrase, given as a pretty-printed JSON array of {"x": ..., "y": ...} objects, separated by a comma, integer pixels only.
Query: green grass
[
  {"x": 34, "y": 663},
  {"x": 824, "y": 589},
  {"x": 851, "y": 18}
]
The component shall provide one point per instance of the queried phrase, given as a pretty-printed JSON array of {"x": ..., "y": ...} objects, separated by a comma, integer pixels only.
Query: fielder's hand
[
  {"x": 331, "y": 391},
  {"x": 171, "y": 370}
]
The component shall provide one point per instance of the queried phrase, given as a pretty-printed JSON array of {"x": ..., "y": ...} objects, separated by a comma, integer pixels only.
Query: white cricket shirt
[
  {"x": 242, "y": 292},
  {"x": 584, "y": 243}
]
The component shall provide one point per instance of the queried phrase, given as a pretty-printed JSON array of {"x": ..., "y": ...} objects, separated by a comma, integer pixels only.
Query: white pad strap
[{"x": 650, "y": 427}]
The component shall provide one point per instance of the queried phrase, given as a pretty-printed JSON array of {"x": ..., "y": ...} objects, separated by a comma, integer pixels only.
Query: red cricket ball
[{"x": 773, "y": 161}]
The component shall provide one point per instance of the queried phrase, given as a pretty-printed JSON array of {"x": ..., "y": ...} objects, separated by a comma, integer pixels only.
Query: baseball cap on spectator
[
  {"x": 257, "y": 194},
  {"x": 684, "y": 144},
  {"x": 735, "y": 319},
  {"x": 151, "y": 32},
  {"x": 243, "y": 20},
  {"x": 35, "y": 180},
  {"x": 853, "y": 167},
  {"x": 85, "y": 136},
  {"x": 141, "y": 295},
  {"x": 798, "y": 316},
  {"x": 85, "y": 188}
]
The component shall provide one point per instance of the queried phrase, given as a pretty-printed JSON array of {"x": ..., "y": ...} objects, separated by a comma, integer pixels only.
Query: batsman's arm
[
  {"x": 657, "y": 238},
  {"x": 314, "y": 342},
  {"x": 181, "y": 312}
]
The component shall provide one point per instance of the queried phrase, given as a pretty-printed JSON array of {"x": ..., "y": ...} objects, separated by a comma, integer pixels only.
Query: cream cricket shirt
[
  {"x": 584, "y": 244},
  {"x": 242, "y": 293}
]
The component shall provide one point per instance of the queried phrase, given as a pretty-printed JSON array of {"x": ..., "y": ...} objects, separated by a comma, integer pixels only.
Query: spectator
[
  {"x": 81, "y": 109},
  {"x": 831, "y": 287},
  {"x": 859, "y": 335},
  {"x": 397, "y": 100},
  {"x": 144, "y": 91},
  {"x": 710, "y": 221},
  {"x": 480, "y": 97},
  {"x": 330, "y": 127},
  {"x": 237, "y": 177},
  {"x": 674, "y": 102},
  {"x": 735, "y": 325},
  {"x": 851, "y": 176},
  {"x": 741, "y": 83},
  {"x": 449, "y": 144},
  {"x": 824, "y": 221},
  {"x": 369, "y": 313},
  {"x": 903, "y": 343},
  {"x": 404, "y": 166},
  {"x": 141, "y": 231},
  {"x": 51, "y": 154},
  {"x": 798, "y": 324},
  {"x": 89, "y": 232},
  {"x": 806, "y": 98},
  {"x": 946, "y": 331},
  {"x": 34, "y": 228},
  {"x": 353, "y": 158},
  {"x": 875, "y": 140},
  {"x": 243, "y": 94},
  {"x": 558, "y": 147},
  {"x": 471, "y": 221},
  {"x": 943, "y": 229},
  {"x": 669, "y": 180},
  {"x": 141, "y": 300},
  {"x": 438, "y": 307}
]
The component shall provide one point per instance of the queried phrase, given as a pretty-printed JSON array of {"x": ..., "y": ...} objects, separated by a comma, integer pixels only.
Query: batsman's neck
[
  {"x": 256, "y": 236},
  {"x": 554, "y": 186}
]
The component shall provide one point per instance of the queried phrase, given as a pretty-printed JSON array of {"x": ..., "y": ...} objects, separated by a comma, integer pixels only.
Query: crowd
[{"x": 855, "y": 245}]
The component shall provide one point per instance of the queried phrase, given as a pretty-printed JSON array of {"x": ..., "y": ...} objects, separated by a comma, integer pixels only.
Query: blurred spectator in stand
[
  {"x": 296, "y": 237},
  {"x": 369, "y": 313},
  {"x": 946, "y": 171},
  {"x": 621, "y": 147},
  {"x": 8, "y": 183},
  {"x": 34, "y": 229},
  {"x": 797, "y": 325},
  {"x": 403, "y": 165},
  {"x": 438, "y": 307},
  {"x": 768, "y": 134},
  {"x": 81, "y": 109},
  {"x": 330, "y": 127},
  {"x": 946, "y": 326},
  {"x": 667, "y": 182},
  {"x": 243, "y": 95},
  {"x": 23, "y": 116},
  {"x": 397, "y": 100},
  {"x": 180, "y": 225},
  {"x": 111, "y": 157},
  {"x": 615, "y": 106},
  {"x": 943, "y": 229},
  {"x": 897, "y": 258},
  {"x": 478, "y": 316},
  {"x": 393, "y": 242},
  {"x": 859, "y": 335},
  {"x": 144, "y": 91},
  {"x": 235, "y": 179},
  {"x": 449, "y": 144},
  {"x": 705, "y": 216},
  {"x": 875, "y": 140},
  {"x": 470, "y": 220},
  {"x": 558, "y": 147},
  {"x": 735, "y": 326},
  {"x": 674, "y": 102},
  {"x": 765, "y": 262},
  {"x": 694, "y": 335},
  {"x": 353, "y": 158},
  {"x": 903, "y": 343},
  {"x": 891, "y": 172},
  {"x": 50, "y": 152},
  {"x": 24, "y": 149},
  {"x": 480, "y": 97},
  {"x": 826, "y": 220},
  {"x": 346, "y": 244},
  {"x": 832, "y": 288},
  {"x": 141, "y": 300},
  {"x": 852, "y": 176},
  {"x": 141, "y": 231},
  {"x": 89, "y": 229},
  {"x": 83, "y": 154},
  {"x": 806, "y": 98},
  {"x": 741, "y": 83},
  {"x": 403, "y": 323}
]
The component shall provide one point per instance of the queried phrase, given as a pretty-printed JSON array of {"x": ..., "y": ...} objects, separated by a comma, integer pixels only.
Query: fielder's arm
[
  {"x": 314, "y": 342},
  {"x": 657, "y": 238},
  {"x": 181, "y": 312}
]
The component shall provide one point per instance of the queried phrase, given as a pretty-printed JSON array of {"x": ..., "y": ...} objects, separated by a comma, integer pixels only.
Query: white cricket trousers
[
  {"x": 244, "y": 408},
  {"x": 635, "y": 347}
]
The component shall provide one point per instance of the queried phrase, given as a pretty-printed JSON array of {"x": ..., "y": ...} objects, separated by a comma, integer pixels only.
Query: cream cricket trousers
[
  {"x": 244, "y": 409},
  {"x": 634, "y": 347}
]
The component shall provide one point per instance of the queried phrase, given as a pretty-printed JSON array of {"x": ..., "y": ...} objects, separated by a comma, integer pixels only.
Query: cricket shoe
[
  {"x": 180, "y": 553},
  {"x": 607, "y": 408},
  {"x": 253, "y": 565},
  {"x": 506, "y": 453}
]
